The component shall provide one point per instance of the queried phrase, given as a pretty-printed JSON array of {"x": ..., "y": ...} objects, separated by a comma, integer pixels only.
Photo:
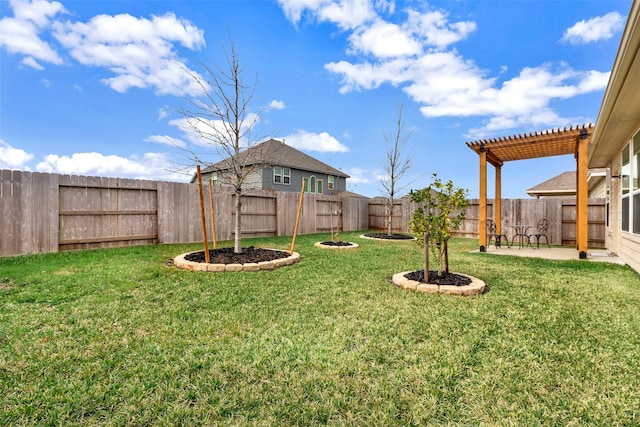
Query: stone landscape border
[
  {"x": 476, "y": 287},
  {"x": 181, "y": 262},
  {"x": 351, "y": 246}
]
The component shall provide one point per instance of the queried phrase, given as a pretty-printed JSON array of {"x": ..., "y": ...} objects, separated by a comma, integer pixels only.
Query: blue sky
[{"x": 93, "y": 87}]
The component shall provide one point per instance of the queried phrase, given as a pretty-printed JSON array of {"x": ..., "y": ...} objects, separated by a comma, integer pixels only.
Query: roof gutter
[{"x": 620, "y": 72}]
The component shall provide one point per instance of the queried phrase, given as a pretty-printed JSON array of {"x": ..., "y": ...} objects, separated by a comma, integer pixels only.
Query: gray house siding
[
  {"x": 273, "y": 153},
  {"x": 263, "y": 179},
  {"x": 295, "y": 184}
]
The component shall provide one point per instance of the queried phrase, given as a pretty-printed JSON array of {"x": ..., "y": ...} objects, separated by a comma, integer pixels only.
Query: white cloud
[
  {"x": 13, "y": 158},
  {"x": 594, "y": 29},
  {"x": 362, "y": 176},
  {"x": 346, "y": 14},
  {"x": 150, "y": 166},
  {"x": 205, "y": 132},
  {"x": 384, "y": 40},
  {"x": 416, "y": 56},
  {"x": 138, "y": 51},
  {"x": 320, "y": 142},
  {"x": 368, "y": 75},
  {"x": 29, "y": 61},
  {"x": 166, "y": 140},
  {"x": 20, "y": 34},
  {"x": 162, "y": 113},
  {"x": 594, "y": 80},
  {"x": 276, "y": 105},
  {"x": 293, "y": 9},
  {"x": 434, "y": 29}
]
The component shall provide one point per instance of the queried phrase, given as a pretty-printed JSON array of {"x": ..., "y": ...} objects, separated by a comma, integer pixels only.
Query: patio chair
[
  {"x": 541, "y": 231},
  {"x": 491, "y": 226}
]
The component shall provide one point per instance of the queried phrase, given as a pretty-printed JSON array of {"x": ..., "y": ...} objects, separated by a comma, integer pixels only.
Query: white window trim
[{"x": 284, "y": 176}]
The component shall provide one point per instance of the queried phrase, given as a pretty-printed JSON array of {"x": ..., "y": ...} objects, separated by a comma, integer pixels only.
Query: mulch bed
[
  {"x": 227, "y": 256},
  {"x": 336, "y": 243},
  {"x": 451, "y": 279},
  {"x": 392, "y": 236}
]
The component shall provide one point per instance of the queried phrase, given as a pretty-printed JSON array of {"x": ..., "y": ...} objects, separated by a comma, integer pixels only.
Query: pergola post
[
  {"x": 497, "y": 201},
  {"x": 582, "y": 202},
  {"x": 482, "y": 225}
]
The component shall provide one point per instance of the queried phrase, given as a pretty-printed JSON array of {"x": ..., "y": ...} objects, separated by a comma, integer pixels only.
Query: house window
[
  {"x": 312, "y": 184},
  {"x": 330, "y": 182},
  {"x": 281, "y": 175},
  {"x": 630, "y": 177},
  {"x": 626, "y": 168},
  {"x": 214, "y": 178}
]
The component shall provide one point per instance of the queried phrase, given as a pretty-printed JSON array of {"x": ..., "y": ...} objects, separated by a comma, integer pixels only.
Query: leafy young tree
[
  {"x": 443, "y": 208},
  {"x": 219, "y": 114},
  {"x": 396, "y": 165}
]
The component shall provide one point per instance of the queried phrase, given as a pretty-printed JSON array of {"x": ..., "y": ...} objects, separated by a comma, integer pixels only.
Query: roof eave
[{"x": 619, "y": 113}]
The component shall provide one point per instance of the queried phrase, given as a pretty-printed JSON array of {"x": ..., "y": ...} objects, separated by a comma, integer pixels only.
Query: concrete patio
[{"x": 555, "y": 253}]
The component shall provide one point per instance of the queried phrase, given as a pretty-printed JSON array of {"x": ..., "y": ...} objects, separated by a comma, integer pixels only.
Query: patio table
[{"x": 521, "y": 233}]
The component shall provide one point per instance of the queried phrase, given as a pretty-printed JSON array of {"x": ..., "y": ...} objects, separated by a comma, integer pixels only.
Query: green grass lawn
[{"x": 120, "y": 337}]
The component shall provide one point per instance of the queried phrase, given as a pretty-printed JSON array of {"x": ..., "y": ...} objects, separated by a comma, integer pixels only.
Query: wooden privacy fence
[
  {"x": 561, "y": 213},
  {"x": 42, "y": 212}
]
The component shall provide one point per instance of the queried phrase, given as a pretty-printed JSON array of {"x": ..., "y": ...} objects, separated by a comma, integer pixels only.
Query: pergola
[{"x": 548, "y": 143}]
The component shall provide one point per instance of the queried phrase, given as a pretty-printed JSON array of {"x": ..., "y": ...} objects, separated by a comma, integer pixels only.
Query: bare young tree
[
  {"x": 219, "y": 114},
  {"x": 397, "y": 164}
]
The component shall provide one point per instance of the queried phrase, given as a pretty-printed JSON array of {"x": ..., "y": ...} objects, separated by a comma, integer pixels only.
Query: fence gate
[
  {"x": 596, "y": 219},
  {"x": 259, "y": 215},
  {"x": 106, "y": 215}
]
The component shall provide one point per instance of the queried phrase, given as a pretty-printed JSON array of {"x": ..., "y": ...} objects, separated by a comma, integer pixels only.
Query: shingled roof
[
  {"x": 560, "y": 185},
  {"x": 277, "y": 153}
]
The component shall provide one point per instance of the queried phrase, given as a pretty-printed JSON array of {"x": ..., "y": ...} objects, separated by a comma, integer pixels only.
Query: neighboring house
[
  {"x": 564, "y": 185},
  {"x": 615, "y": 145},
  {"x": 275, "y": 165}
]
